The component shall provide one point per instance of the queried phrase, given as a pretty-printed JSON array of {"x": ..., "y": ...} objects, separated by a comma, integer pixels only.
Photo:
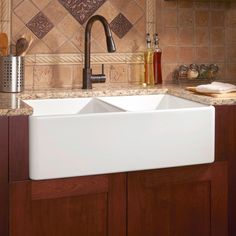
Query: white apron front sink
[{"x": 89, "y": 136}]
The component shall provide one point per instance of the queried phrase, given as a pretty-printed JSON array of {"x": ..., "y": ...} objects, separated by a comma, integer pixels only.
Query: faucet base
[{"x": 87, "y": 83}]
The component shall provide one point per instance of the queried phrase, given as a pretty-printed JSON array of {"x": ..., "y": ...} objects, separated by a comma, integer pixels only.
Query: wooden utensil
[
  {"x": 21, "y": 46},
  {"x": 3, "y": 44},
  {"x": 215, "y": 95},
  {"x": 30, "y": 39}
]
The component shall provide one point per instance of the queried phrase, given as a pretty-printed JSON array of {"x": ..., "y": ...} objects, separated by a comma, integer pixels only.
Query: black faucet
[{"x": 88, "y": 77}]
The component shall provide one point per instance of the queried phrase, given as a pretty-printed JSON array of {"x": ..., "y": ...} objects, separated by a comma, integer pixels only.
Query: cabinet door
[
  {"x": 178, "y": 202},
  {"x": 225, "y": 150},
  {"x": 85, "y": 206},
  {"x": 4, "y": 176}
]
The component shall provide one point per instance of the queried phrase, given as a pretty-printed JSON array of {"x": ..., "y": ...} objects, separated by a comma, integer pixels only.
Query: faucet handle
[{"x": 99, "y": 78}]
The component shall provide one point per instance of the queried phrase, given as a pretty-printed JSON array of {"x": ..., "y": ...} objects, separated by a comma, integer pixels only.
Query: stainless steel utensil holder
[{"x": 11, "y": 74}]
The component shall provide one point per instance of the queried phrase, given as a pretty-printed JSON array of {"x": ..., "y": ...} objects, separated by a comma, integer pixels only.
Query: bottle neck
[
  {"x": 149, "y": 44},
  {"x": 157, "y": 48}
]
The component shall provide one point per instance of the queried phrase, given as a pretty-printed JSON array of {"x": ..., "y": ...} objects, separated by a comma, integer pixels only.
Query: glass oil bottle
[
  {"x": 148, "y": 63},
  {"x": 157, "y": 61}
]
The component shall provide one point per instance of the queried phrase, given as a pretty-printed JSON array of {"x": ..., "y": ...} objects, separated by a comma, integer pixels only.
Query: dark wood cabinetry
[
  {"x": 226, "y": 150},
  {"x": 168, "y": 202},
  {"x": 18, "y": 148},
  {"x": 179, "y": 201},
  {"x": 86, "y": 206},
  {"x": 4, "y": 176}
]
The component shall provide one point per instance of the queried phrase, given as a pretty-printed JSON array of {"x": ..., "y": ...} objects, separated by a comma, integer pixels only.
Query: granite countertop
[{"x": 12, "y": 104}]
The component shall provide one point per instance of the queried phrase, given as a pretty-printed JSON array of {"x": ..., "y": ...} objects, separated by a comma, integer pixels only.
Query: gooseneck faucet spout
[{"x": 88, "y": 77}]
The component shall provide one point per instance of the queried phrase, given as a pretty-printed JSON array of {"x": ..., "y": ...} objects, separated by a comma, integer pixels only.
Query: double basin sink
[{"x": 89, "y": 136}]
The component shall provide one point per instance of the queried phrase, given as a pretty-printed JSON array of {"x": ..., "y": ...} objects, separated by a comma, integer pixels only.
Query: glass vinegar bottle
[{"x": 157, "y": 61}]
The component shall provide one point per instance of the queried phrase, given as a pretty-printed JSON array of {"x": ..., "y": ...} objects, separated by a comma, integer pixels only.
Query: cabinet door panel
[
  {"x": 4, "y": 176},
  {"x": 18, "y": 148},
  {"x": 178, "y": 202},
  {"x": 69, "y": 207},
  {"x": 225, "y": 150},
  {"x": 83, "y": 215}
]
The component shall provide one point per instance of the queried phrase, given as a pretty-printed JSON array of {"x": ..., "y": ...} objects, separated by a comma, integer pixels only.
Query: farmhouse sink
[{"x": 88, "y": 136}]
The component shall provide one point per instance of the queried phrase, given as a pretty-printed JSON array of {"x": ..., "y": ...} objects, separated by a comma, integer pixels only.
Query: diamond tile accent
[
  {"x": 40, "y": 25},
  {"x": 121, "y": 25},
  {"x": 81, "y": 10}
]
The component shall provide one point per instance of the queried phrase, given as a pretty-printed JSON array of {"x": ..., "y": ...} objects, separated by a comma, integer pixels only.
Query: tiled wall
[
  {"x": 198, "y": 32},
  {"x": 58, "y": 26},
  {"x": 190, "y": 32}
]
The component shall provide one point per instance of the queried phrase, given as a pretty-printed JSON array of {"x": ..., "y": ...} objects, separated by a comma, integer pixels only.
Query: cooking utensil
[
  {"x": 3, "y": 44},
  {"x": 30, "y": 39},
  {"x": 21, "y": 46}
]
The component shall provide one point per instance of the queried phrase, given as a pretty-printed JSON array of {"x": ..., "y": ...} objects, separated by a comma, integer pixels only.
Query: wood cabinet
[
  {"x": 179, "y": 201},
  {"x": 226, "y": 150},
  {"x": 4, "y": 176},
  {"x": 85, "y": 206}
]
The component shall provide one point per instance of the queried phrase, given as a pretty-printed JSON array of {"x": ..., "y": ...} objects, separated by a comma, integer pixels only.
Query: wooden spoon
[
  {"x": 3, "y": 44},
  {"x": 21, "y": 46},
  {"x": 30, "y": 39}
]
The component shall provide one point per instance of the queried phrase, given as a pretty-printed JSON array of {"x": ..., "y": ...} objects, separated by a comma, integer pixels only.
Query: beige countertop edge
[
  {"x": 12, "y": 104},
  {"x": 16, "y": 112}
]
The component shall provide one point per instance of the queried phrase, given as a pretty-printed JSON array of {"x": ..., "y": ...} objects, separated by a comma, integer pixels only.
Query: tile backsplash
[
  {"x": 198, "y": 32},
  {"x": 190, "y": 32},
  {"x": 58, "y": 25}
]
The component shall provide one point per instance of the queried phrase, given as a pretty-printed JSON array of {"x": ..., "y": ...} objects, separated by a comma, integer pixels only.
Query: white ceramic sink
[
  {"x": 88, "y": 136},
  {"x": 150, "y": 103}
]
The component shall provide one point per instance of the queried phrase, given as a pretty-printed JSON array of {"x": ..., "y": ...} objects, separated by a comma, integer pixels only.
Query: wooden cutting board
[{"x": 215, "y": 95}]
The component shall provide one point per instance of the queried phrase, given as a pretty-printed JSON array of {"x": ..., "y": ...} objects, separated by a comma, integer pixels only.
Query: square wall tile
[
  {"x": 54, "y": 39},
  {"x": 186, "y": 36},
  {"x": 218, "y": 54},
  {"x": 186, "y": 55},
  {"x": 62, "y": 76},
  {"x": 55, "y": 11},
  {"x": 217, "y": 18},
  {"x": 169, "y": 36},
  {"x": 43, "y": 77},
  {"x": 26, "y": 10},
  {"x": 169, "y": 18},
  {"x": 82, "y": 9},
  {"x": 186, "y": 18},
  {"x": 133, "y": 12},
  {"x": 40, "y": 25},
  {"x": 202, "y": 18},
  {"x": 118, "y": 73},
  {"x": 14, "y": 3},
  {"x": 170, "y": 54},
  {"x": 40, "y": 4},
  {"x": 121, "y": 25},
  {"x": 203, "y": 55},
  {"x": 217, "y": 36},
  {"x": 202, "y": 36}
]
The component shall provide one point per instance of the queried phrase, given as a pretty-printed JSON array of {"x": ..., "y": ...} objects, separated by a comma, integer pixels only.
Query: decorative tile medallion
[
  {"x": 81, "y": 10},
  {"x": 40, "y": 25},
  {"x": 121, "y": 25}
]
